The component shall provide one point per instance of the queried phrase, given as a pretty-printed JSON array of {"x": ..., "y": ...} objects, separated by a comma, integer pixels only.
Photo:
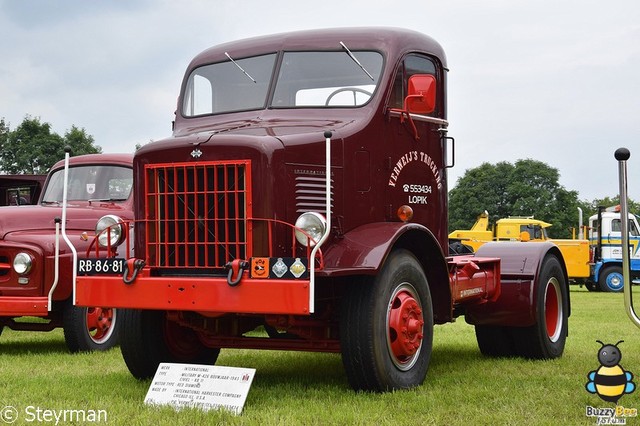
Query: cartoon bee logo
[{"x": 610, "y": 381}]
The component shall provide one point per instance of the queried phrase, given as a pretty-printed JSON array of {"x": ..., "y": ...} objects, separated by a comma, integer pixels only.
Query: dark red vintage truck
[
  {"x": 36, "y": 265},
  {"x": 301, "y": 204}
]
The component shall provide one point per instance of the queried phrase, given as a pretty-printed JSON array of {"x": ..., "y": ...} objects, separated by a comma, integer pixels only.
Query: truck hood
[
  {"x": 249, "y": 137},
  {"x": 81, "y": 216},
  {"x": 264, "y": 125}
]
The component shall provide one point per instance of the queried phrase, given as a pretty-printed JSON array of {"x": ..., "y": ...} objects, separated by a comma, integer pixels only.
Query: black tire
[
  {"x": 547, "y": 337},
  {"x": 374, "y": 312},
  {"x": 611, "y": 280},
  {"x": 148, "y": 338},
  {"x": 90, "y": 329},
  {"x": 495, "y": 341},
  {"x": 591, "y": 286}
]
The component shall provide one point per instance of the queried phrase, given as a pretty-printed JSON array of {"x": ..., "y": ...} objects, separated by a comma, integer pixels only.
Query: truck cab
[
  {"x": 606, "y": 248},
  {"x": 301, "y": 204},
  {"x": 36, "y": 265},
  {"x": 18, "y": 190}
]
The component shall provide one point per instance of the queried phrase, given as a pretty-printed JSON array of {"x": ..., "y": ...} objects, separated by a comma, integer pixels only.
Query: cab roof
[
  {"x": 393, "y": 42},
  {"x": 106, "y": 159}
]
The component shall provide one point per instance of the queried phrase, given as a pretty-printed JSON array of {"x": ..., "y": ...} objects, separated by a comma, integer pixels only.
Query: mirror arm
[{"x": 405, "y": 112}]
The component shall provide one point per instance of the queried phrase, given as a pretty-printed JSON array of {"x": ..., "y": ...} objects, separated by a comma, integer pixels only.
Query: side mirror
[{"x": 421, "y": 98}]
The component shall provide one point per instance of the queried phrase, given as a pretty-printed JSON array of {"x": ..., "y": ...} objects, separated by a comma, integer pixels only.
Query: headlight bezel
[
  {"x": 116, "y": 234},
  {"x": 22, "y": 263},
  {"x": 309, "y": 228}
]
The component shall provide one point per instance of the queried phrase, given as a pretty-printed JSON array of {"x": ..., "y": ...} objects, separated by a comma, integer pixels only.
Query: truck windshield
[
  {"x": 327, "y": 79},
  {"x": 94, "y": 182},
  {"x": 305, "y": 79}
]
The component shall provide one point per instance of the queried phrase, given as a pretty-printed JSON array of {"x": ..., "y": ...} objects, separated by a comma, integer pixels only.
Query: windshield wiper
[
  {"x": 356, "y": 60},
  {"x": 104, "y": 200},
  {"x": 239, "y": 67}
]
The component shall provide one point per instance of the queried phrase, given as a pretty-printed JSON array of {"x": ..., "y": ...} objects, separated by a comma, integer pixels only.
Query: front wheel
[
  {"x": 611, "y": 279},
  {"x": 386, "y": 330},
  {"x": 547, "y": 337},
  {"x": 90, "y": 329},
  {"x": 149, "y": 338}
]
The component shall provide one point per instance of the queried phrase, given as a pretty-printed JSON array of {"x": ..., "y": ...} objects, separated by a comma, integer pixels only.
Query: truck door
[
  {"x": 615, "y": 237},
  {"x": 416, "y": 175}
]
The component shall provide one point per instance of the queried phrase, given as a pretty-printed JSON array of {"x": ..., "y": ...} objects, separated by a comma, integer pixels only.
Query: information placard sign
[{"x": 207, "y": 387}]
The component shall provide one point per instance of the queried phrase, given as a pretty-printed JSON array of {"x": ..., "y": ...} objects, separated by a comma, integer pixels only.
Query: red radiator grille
[{"x": 196, "y": 214}]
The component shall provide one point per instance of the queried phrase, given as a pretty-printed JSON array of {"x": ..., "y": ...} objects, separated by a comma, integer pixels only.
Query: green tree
[
  {"x": 526, "y": 188},
  {"x": 591, "y": 207},
  {"x": 4, "y": 131},
  {"x": 32, "y": 147}
]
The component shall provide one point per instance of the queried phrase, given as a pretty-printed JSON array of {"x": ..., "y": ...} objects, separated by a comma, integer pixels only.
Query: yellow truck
[{"x": 526, "y": 228}]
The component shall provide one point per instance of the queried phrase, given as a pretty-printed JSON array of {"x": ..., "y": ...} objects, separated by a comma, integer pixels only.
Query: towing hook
[
  {"x": 136, "y": 266},
  {"x": 236, "y": 267}
]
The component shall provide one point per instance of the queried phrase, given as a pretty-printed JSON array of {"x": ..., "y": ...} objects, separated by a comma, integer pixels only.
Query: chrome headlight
[
  {"x": 110, "y": 231},
  {"x": 313, "y": 224},
  {"x": 22, "y": 263}
]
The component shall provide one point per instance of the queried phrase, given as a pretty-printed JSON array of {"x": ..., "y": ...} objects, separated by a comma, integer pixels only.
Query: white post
[
  {"x": 64, "y": 221},
  {"x": 622, "y": 155},
  {"x": 56, "y": 263},
  {"x": 312, "y": 284}
]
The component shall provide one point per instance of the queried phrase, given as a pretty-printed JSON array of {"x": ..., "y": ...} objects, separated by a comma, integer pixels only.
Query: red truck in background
[
  {"x": 18, "y": 190},
  {"x": 303, "y": 194},
  {"x": 37, "y": 282}
]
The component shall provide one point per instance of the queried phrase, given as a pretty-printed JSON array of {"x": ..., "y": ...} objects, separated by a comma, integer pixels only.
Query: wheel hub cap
[
  {"x": 405, "y": 328},
  {"x": 99, "y": 322}
]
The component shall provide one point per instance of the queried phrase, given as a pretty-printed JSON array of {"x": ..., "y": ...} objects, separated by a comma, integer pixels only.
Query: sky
[{"x": 551, "y": 80}]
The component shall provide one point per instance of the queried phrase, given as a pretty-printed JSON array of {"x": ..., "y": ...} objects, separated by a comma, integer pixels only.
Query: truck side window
[
  {"x": 616, "y": 226},
  {"x": 412, "y": 64}
]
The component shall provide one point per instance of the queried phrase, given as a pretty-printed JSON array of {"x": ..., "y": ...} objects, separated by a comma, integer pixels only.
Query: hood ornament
[{"x": 196, "y": 153}]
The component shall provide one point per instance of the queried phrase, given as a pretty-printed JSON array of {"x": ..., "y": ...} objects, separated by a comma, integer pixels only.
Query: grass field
[{"x": 462, "y": 386}]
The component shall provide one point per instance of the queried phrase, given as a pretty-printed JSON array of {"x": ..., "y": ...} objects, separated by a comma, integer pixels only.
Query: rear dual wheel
[
  {"x": 547, "y": 337},
  {"x": 386, "y": 331}
]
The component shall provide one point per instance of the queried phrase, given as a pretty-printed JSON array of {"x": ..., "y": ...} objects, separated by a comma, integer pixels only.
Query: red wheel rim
[
  {"x": 553, "y": 309},
  {"x": 404, "y": 327},
  {"x": 100, "y": 324}
]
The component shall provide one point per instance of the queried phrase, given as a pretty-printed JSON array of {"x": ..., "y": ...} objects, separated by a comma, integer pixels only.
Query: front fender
[{"x": 363, "y": 251}]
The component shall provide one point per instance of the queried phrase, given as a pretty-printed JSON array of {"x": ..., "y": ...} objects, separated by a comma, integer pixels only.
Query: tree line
[
  {"x": 525, "y": 188},
  {"x": 32, "y": 147}
]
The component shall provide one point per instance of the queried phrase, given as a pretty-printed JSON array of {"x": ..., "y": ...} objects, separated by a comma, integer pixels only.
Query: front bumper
[
  {"x": 212, "y": 295},
  {"x": 15, "y": 306}
]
